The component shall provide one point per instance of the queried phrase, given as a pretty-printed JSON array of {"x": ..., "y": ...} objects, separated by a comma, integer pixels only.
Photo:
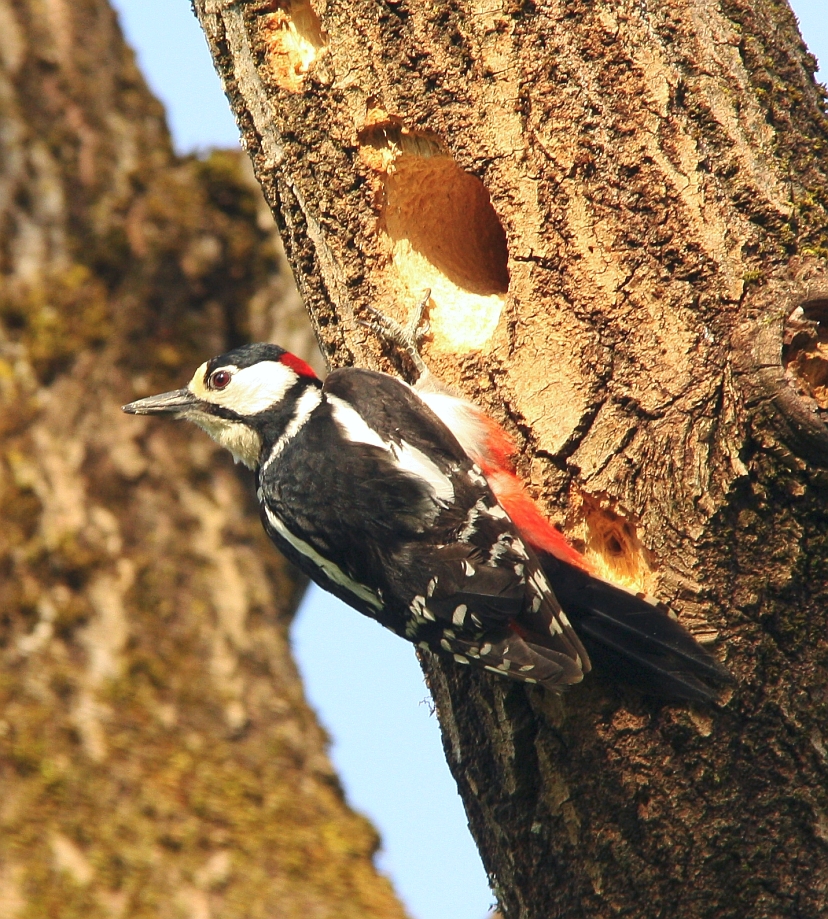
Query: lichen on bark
[
  {"x": 658, "y": 171},
  {"x": 157, "y": 755}
]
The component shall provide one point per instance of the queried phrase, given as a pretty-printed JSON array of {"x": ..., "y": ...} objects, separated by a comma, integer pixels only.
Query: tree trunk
[
  {"x": 620, "y": 213},
  {"x": 157, "y": 756}
]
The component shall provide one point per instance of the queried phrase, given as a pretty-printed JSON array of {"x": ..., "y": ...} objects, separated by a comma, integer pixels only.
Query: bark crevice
[{"x": 653, "y": 169}]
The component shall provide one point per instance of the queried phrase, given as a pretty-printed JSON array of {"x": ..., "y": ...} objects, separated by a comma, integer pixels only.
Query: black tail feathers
[{"x": 633, "y": 640}]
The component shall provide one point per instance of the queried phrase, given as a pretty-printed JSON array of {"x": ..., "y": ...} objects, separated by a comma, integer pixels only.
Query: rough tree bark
[
  {"x": 157, "y": 756},
  {"x": 620, "y": 209}
]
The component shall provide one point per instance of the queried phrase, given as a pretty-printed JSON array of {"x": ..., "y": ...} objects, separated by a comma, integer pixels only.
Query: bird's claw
[{"x": 408, "y": 336}]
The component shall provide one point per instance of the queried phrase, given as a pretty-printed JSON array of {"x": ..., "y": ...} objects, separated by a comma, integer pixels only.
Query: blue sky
[
  {"x": 174, "y": 58},
  {"x": 364, "y": 683}
]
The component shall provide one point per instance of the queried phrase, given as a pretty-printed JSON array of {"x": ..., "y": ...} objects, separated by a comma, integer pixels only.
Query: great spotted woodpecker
[{"x": 402, "y": 502}]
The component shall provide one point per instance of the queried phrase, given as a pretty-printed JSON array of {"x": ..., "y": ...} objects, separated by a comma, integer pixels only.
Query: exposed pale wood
[
  {"x": 659, "y": 174},
  {"x": 158, "y": 759}
]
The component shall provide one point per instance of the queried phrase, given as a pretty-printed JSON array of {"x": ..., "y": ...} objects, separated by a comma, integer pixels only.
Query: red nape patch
[
  {"x": 297, "y": 364},
  {"x": 533, "y": 526}
]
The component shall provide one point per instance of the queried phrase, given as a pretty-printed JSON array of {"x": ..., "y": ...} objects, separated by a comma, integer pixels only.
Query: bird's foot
[{"x": 407, "y": 337}]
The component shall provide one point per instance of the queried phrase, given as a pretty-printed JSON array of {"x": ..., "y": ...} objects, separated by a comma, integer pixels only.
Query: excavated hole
[
  {"x": 611, "y": 543},
  {"x": 805, "y": 350},
  {"x": 293, "y": 37},
  {"x": 443, "y": 234}
]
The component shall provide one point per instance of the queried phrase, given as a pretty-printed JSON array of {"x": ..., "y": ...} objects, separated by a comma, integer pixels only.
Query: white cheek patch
[
  {"x": 251, "y": 389},
  {"x": 409, "y": 458}
]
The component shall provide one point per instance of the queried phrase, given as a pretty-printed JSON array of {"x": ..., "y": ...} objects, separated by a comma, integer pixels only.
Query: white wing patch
[
  {"x": 408, "y": 458},
  {"x": 540, "y": 585},
  {"x": 418, "y": 464},
  {"x": 334, "y": 572},
  {"x": 470, "y": 527},
  {"x": 352, "y": 424}
]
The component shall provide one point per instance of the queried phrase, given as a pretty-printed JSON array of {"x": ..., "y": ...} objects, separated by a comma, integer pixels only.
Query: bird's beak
[{"x": 178, "y": 402}]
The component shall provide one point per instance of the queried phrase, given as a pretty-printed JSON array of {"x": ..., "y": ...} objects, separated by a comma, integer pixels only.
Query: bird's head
[{"x": 236, "y": 397}]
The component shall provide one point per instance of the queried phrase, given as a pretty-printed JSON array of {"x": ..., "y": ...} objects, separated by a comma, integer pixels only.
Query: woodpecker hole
[
  {"x": 610, "y": 541},
  {"x": 442, "y": 233},
  {"x": 294, "y": 38},
  {"x": 805, "y": 350}
]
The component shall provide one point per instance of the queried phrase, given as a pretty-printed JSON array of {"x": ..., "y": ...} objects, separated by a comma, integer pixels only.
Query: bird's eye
[{"x": 220, "y": 379}]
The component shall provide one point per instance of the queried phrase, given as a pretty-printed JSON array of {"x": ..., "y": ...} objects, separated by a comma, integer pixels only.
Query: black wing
[
  {"x": 635, "y": 640},
  {"x": 401, "y": 524}
]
